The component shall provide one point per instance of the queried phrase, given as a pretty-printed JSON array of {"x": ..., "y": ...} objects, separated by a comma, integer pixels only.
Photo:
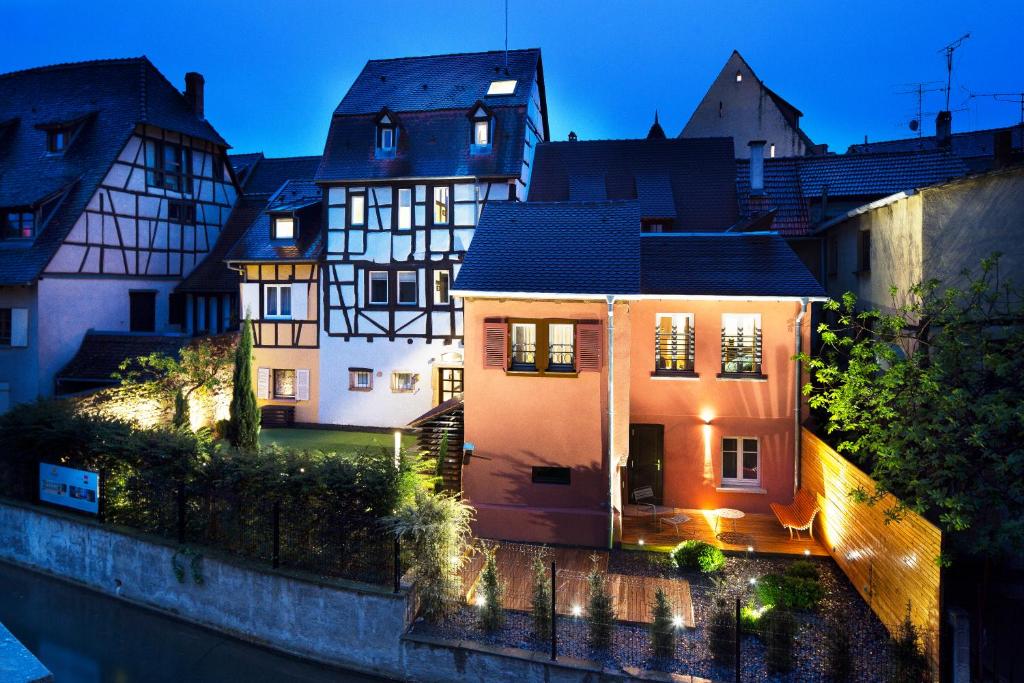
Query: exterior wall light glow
[
  {"x": 640, "y": 542},
  {"x": 707, "y": 416},
  {"x": 677, "y": 621},
  {"x": 753, "y": 581},
  {"x": 807, "y": 553},
  {"x": 576, "y": 611},
  {"x": 481, "y": 600}
]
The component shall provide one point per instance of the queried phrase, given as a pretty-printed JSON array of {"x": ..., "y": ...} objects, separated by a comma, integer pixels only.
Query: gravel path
[{"x": 631, "y": 643}]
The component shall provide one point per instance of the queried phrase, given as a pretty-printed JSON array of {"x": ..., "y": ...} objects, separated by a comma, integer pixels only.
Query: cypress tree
[
  {"x": 181, "y": 410},
  {"x": 663, "y": 636},
  {"x": 492, "y": 615},
  {"x": 244, "y": 424},
  {"x": 600, "y": 612},
  {"x": 541, "y": 602}
]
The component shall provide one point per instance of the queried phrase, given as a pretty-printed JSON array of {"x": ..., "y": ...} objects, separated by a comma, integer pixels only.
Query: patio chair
[
  {"x": 644, "y": 498},
  {"x": 799, "y": 515},
  {"x": 675, "y": 521}
]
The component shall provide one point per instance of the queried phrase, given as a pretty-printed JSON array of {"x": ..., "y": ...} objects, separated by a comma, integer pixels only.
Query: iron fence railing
[
  {"x": 741, "y": 353},
  {"x": 673, "y": 350}
]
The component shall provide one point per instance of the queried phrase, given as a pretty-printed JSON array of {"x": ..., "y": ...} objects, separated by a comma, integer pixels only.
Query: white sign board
[{"x": 76, "y": 489}]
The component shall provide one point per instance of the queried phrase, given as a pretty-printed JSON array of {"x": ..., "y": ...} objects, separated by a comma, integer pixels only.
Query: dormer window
[
  {"x": 482, "y": 132},
  {"x": 57, "y": 140},
  {"x": 387, "y": 135},
  {"x": 284, "y": 228},
  {"x": 481, "y": 121},
  {"x": 17, "y": 224},
  {"x": 507, "y": 87}
]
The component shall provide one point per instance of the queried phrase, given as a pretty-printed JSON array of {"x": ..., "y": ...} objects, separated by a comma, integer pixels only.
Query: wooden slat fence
[{"x": 889, "y": 564}]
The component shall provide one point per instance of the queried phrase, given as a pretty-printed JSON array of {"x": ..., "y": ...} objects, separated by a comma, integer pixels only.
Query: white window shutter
[
  {"x": 249, "y": 300},
  {"x": 19, "y": 327},
  {"x": 302, "y": 385},
  {"x": 263, "y": 383},
  {"x": 299, "y": 296}
]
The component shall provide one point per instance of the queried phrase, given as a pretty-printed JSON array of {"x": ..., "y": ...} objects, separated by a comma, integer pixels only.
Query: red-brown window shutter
[
  {"x": 588, "y": 347},
  {"x": 495, "y": 344}
]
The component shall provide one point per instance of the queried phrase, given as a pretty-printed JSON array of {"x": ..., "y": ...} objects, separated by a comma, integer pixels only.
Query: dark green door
[{"x": 646, "y": 460}]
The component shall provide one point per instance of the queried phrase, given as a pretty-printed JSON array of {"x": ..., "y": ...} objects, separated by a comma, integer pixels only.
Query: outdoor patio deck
[
  {"x": 633, "y": 595},
  {"x": 759, "y": 531}
]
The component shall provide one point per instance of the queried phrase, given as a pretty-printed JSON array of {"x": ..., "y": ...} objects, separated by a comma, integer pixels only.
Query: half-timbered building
[
  {"x": 113, "y": 186},
  {"x": 417, "y": 149}
]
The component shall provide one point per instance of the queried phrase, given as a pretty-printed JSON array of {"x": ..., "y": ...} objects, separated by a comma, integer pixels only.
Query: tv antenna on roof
[
  {"x": 919, "y": 89},
  {"x": 506, "y": 37},
  {"x": 949, "y": 50},
  {"x": 1014, "y": 97}
]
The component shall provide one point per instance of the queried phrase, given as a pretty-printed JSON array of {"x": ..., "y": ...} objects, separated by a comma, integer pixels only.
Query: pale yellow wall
[{"x": 291, "y": 359}]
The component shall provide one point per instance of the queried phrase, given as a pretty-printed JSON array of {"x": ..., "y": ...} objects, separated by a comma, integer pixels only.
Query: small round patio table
[{"x": 727, "y": 513}]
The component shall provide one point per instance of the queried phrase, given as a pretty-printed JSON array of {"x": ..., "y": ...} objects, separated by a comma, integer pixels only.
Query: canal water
[{"x": 86, "y": 637}]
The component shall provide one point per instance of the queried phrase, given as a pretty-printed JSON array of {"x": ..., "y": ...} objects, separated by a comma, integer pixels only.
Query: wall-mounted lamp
[{"x": 707, "y": 416}]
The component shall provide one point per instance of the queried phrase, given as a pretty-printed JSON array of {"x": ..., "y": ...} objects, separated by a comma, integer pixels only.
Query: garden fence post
[
  {"x": 275, "y": 552},
  {"x": 398, "y": 564},
  {"x": 737, "y": 653},
  {"x": 181, "y": 511},
  {"x": 554, "y": 615}
]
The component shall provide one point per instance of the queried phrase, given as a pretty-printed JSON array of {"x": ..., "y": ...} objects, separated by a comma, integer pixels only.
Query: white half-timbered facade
[{"x": 417, "y": 149}]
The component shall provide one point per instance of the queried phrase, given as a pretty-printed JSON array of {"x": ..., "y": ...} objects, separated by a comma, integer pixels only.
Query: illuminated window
[
  {"x": 278, "y": 301},
  {"x": 673, "y": 343},
  {"x": 357, "y": 209},
  {"x": 442, "y": 287},
  {"x": 741, "y": 343},
  {"x": 360, "y": 379},
  {"x": 56, "y": 140},
  {"x": 403, "y": 382},
  {"x": 441, "y": 204},
  {"x": 387, "y": 136},
  {"x": 284, "y": 228},
  {"x": 379, "y": 287},
  {"x": 741, "y": 461},
  {"x": 482, "y": 133},
  {"x": 284, "y": 384},
  {"x": 404, "y": 208},
  {"x": 524, "y": 346},
  {"x": 407, "y": 295},
  {"x": 502, "y": 88},
  {"x": 771, "y": 150},
  {"x": 561, "y": 347},
  {"x": 17, "y": 224},
  {"x": 739, "y": 77}
]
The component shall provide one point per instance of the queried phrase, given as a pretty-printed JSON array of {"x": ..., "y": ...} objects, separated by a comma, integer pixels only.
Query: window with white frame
[
  {"x": 482, "y": 132},
  {"x": 441, "y": 205},
  {"x": 387, "y": 138},
  {"x": 442, "y": 287},
  {"x": 379, "y": 287},
  {"x": 407, "y": 295},
  {"x": 741, "y": 343},
  {"x": 404, "y": 208},
  {"x": 507, "y": 87},
  {"x": 284, "y": 228},
  {"x": 403, "y": 381},
  {"x": 277, "y": 301},
  {"x": 357, "y": 209},
  {"x": 741, "y": 461},
  {"x": 360, "y": 379}
]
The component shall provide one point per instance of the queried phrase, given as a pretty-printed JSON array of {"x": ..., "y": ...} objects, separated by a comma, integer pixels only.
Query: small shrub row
[{"x": 797, "y": 588}]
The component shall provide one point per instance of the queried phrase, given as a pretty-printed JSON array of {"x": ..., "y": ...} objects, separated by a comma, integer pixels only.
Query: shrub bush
[
  {"x": 750, "y": 617},
  {"x": 600, "y": 611},
  {"x": 540, "y": 604},
  {"x": 492, "y": 614},
  {"x": 721, "y": 632},
  {"x": 907, "y": 660},
  {"x": 803, "y": 569},
  {"x": 693, "y": 554},
  {"x": 789, "y": 592}
]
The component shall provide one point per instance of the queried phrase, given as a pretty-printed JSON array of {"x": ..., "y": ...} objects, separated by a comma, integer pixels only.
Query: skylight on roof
[{"x": 502, "y": 88}]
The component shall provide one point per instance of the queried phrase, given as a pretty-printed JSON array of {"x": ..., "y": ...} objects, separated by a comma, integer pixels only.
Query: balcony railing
[
  {"x": 673, "y": 350},
  {"x": 561, "y": 358},
  {"x": 524, "y": 356},
  {"x": 741, "y": 353}
]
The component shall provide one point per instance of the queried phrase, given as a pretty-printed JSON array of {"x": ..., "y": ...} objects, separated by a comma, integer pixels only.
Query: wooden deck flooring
[
  {"x": 632, "y": 595},
  {"x": 762, "y": 532}
]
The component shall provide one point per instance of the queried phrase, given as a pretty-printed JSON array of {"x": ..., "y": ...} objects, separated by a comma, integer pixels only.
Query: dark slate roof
[
  {"x": 691, "y": 180},
  {"x": 725, "y": 264},
  {"x": 102, "y": 353},
  {"x": 299, "y": 196},
  {"x": 793, "y": 182},
  {"x": 976, "y": 147},
  {"x": 454, "y": 81},
  {"x": 430, "y": 144},
  {"x": 110, "y": 97},
  {"x": 596, "y": 248},
  {"x": 556, "y": 247},
  {"x": 258, "y": 174},
  {"x": 266, "y": 176}
]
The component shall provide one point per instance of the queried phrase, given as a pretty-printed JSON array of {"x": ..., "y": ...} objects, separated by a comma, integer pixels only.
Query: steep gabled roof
[
  {"x": 691, "y": 180},
  {"x": 452, "y": 81},
  {"x": 266, "y": 176},
  {"x": 107, "y": 99}
]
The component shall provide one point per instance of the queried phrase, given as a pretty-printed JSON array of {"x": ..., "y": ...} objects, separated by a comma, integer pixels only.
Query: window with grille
[
  {"x": 561, "y": 347},
  {"x": 741, "y": 344},
  {"x": 278, "y": 301},
  {"x": 741, "y": 461},
  {"x": 168, "y": 166},
  {"x": 17, "y": 224},
  {"x": 673, "y": 343},
  {"x": 441, "y": 205},
  {"x": 524, "y": 346}
]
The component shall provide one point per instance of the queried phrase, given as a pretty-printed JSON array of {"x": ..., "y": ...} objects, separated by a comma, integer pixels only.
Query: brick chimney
[
  {"x": 194, "y": 83},
  {"x": 944, "y": 128},
  {"x": 757, "y": 166}
]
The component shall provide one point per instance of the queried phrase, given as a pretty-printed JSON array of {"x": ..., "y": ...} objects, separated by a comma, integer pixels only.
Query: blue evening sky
[{"x": 275, "y": 70}]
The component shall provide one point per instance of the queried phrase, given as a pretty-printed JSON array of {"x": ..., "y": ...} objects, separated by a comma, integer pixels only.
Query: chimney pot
[
  {"x": 944, "y": 128},
  {"x": 572, "y": 136},
  {"x": 757, "y": 166},
  {"x": 194, "y": 85}
]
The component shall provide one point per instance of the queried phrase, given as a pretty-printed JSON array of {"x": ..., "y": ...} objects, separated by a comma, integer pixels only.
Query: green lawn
[{"x": 331, "y": 440}]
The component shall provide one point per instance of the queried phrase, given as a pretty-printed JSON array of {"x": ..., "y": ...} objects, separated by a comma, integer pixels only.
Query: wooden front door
[
  {"x": 645, "y": 466},
  {"x": 450, "y": 382}
]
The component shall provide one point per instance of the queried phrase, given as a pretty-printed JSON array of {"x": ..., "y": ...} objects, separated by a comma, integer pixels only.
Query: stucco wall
[
  {"x": 895, "y": 253},
  {"x": 968, "y": 221},
  {"x": 291, "y": 359},
  {"x": 519, "y": 422},
  {"x": 19, "y": 365},
  {"x": 734, "y": 407}
]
